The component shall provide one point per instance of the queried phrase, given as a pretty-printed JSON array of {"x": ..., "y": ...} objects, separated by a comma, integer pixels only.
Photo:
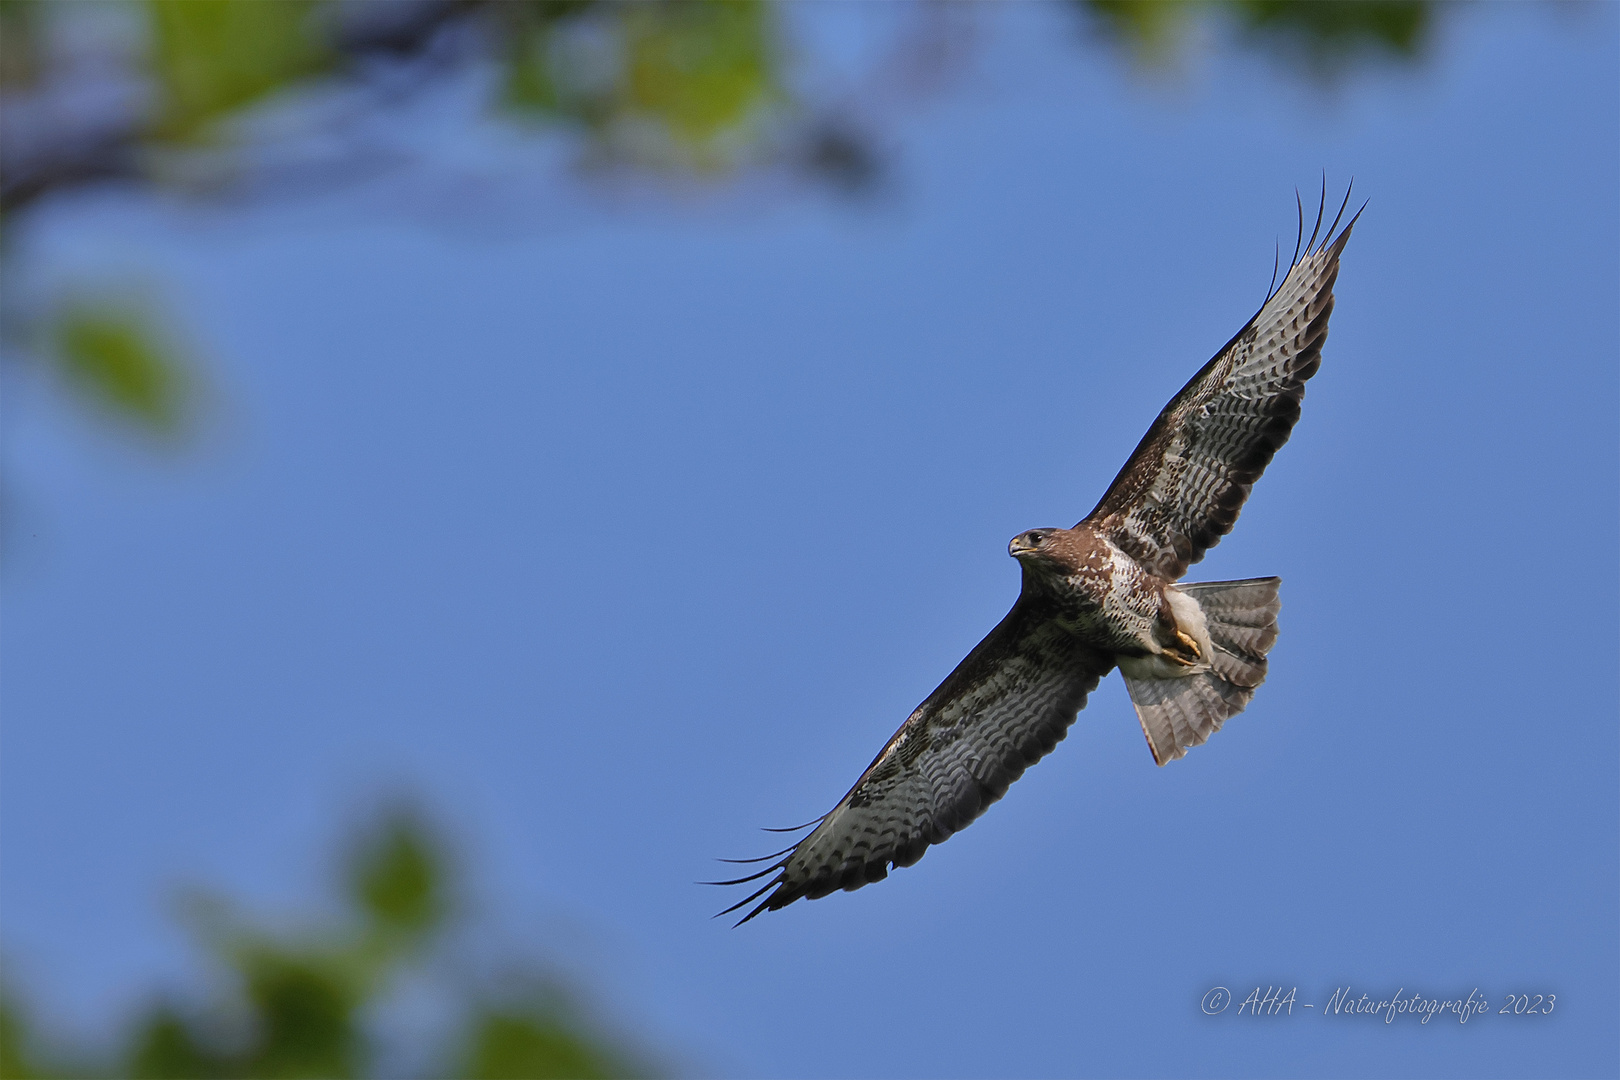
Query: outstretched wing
[
  {"x": 1181, "y": 490},
  {"x": 1004, "y": 708}
]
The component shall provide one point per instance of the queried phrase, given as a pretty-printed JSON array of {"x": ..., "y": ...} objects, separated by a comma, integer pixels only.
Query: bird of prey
[{"x": 1095, "y": 597}]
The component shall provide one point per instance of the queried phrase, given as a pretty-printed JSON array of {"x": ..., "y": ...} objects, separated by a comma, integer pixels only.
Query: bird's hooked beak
[{"x": 1023, "y": 544}]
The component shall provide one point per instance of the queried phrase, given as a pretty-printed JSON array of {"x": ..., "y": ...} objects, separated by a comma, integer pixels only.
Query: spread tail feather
[{"x": 1178, "y": 714}]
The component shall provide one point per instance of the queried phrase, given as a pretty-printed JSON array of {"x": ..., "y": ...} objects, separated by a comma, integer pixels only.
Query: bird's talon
[{"x": 1192, "y": 646}]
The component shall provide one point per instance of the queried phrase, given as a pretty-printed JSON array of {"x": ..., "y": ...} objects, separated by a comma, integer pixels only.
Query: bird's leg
[
  {"x": 1192, "y": 646},
  {"x": 1176, "y": 645}
]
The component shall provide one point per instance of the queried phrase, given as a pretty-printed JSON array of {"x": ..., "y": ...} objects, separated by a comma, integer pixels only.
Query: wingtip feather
[
  {"x": 761, "y": 858},
  {"x": 1320, "y": 208},
  {"x": 748, "y": 900},
  {"x": 796, "y": 828}
]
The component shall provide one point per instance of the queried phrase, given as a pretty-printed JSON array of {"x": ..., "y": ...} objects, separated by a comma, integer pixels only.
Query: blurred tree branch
[
  {"x": 683, "y": 86},
  {"x": 696, "y": 67}
]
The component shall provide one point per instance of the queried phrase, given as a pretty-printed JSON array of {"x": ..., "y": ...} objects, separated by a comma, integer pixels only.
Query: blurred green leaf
[
  {"x": 512, "y": 1044},
  {"x": 212, "y": 56},
  {"x": 166, "y": 1049},
  {"x": 24, "y": 1056},
  {"x": 397, "y": 877},
  {"x": 665, "y": 81},
  {"x": 1330, "y": 30},
  {"x": 14, "y": 1063},
  {"x": 531, "y": 84},
  {"x": 19, "y": 58},
  {"x": 301, "y": 1008},
  {"x": 700, "y": 66},
  {"x": 1150, "y": 26},
  {"x": 112, "y": 354},
  {"x": 305, "y": 1011},
  {"x": 1324, "y": 33}
]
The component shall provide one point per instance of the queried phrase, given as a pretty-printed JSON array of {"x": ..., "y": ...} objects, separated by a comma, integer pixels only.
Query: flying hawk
[{"x": 1098, "y": 596}]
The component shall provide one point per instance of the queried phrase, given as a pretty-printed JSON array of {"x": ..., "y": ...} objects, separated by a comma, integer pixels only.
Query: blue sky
[{"x": 616, "y": 529}]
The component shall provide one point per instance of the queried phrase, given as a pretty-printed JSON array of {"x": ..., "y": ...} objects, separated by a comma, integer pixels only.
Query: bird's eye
[{"x": 1036, "y": 538}]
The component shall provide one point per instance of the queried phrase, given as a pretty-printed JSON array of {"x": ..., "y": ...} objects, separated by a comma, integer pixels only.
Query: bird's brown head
[
  {"x": 1049, "y": 552},
  {"x": 1034, "y": 544}
]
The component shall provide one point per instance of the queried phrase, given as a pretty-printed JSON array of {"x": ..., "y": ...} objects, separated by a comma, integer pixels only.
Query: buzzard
[{"x": 1095, "y": 597}]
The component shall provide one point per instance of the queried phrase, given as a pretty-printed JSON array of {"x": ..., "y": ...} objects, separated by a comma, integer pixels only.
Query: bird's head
[
  {"x": 1032, "y": 544},
  {"x": 1051, "y": 554}
]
